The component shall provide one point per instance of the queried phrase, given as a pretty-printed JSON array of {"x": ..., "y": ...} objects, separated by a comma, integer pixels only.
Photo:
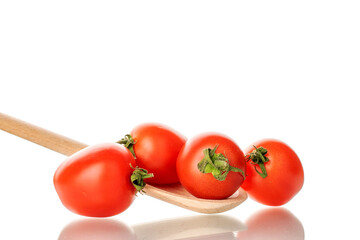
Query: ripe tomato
[
  {"x": 96, "y": 181},
  {"x": 283, "y": 174},
  {"x": 215, "y": 179},
  {"x": 156, "y": 147}
]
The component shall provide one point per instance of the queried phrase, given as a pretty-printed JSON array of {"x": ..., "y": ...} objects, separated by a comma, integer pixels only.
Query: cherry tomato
[
  {"x": 96, "y": 181},
  {"x": 211, "y": 166},
  {"x": 274, "y": 174},
  {"x": 156, "y": 147}
]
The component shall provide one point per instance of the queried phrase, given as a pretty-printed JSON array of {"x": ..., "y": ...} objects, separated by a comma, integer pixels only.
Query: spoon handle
[{"x": 40, "y": 136}]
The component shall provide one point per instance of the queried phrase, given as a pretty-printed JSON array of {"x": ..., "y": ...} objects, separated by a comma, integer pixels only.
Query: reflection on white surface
[
  {"x": 97, "y": 229},
  {"x": 197, "y": 227},
  {"x": 270, "y": 223},
  {"x": 189, "y": 228},
  {"x": 273, "y": 223},
  {"x": 220, "y": 236}
]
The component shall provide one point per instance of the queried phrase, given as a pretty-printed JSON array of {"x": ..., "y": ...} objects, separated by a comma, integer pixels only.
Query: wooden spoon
[{"x": 174, "y": 193}]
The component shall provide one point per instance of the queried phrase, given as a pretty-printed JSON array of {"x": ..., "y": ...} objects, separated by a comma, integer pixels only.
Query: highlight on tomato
[
  {"x": 99, "y": 180},
  {"x": 274, "y": 172},
  {"x": 155, "y": 148},
  {"x": 211, "y": 166}
]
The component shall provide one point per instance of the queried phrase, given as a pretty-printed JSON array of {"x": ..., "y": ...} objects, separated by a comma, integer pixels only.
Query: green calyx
[
  {"x": 128, "y": 142},
  {"x": 258, "y": 158},
  {"x": 217, "y": 164},
  {"x": 138, "y": 176}
]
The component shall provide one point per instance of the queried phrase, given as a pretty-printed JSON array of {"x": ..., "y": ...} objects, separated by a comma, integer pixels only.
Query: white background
[{"x": 93, "y": 70}]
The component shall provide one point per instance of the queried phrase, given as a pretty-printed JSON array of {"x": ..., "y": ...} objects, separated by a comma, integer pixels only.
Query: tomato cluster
[{"x": 102, "y": 180}]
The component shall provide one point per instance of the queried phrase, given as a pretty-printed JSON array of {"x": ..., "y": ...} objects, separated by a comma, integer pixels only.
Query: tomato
[
  {"x": 196, "y": 161},
  {"x": 156, "y": 147},
  {"x": 272, "y": 223},
  {"x": 279, "y": 179},
  {"x": 96, "y": 181}
]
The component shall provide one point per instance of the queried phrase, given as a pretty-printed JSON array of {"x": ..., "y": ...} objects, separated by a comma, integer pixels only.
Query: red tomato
[
  {"x": 156, "y": 148},
  {"x": 205, "y": 185},
  {"x": 95, "y": 181},
  {"x": 285, "y": 174}
]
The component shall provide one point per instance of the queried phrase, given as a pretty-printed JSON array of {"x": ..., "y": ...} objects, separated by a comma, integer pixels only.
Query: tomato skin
[
  {"x": 204, "y": 185},
  {"x": 95, "y": 181},
  {"x": 156, "y": 148},
  {"x": 285, "y": 174}
]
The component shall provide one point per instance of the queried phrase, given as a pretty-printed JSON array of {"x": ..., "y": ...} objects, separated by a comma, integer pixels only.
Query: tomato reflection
[
  {"x": 91, "y": 229},
  {"x": 219, "y": 227},
  {"x": 273, "y": 223},
  {"x": 270, "y": 223}
]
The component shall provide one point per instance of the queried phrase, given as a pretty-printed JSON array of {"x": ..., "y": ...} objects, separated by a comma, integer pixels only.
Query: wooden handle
[{"x": 38, "y": 135}]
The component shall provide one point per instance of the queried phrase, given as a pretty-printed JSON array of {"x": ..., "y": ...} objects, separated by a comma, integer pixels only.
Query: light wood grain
[
  {"x": 40, "y": 136},
  {"x": 177, "y": 195},
  {"x": 173, "y": 194}
]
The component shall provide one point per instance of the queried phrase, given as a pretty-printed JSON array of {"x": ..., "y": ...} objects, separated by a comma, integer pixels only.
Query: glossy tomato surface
[
  {"x": 204, "y": 185},
  {"x": 156, "y": 149},
  {"x": 95, "y": 181},
  {"x": 285, "y": 174}
]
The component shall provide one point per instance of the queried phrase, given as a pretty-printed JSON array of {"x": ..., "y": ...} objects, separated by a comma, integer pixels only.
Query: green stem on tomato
[
  {"x": 217, "y": 164},
  {"x": 138, "y": 176},
  {"x": 258, "y": 158},
  {"x": 128, "y": 142}
]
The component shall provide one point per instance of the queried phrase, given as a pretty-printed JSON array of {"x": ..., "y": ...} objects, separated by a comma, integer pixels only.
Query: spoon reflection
[
  {"x": 270, "y": 223},
  {"x": 220, "y": 236},
  {"x": 189, "y": 227},
  {"x": 209, "y": 227},
  {"x": 273, "y": 223}
]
